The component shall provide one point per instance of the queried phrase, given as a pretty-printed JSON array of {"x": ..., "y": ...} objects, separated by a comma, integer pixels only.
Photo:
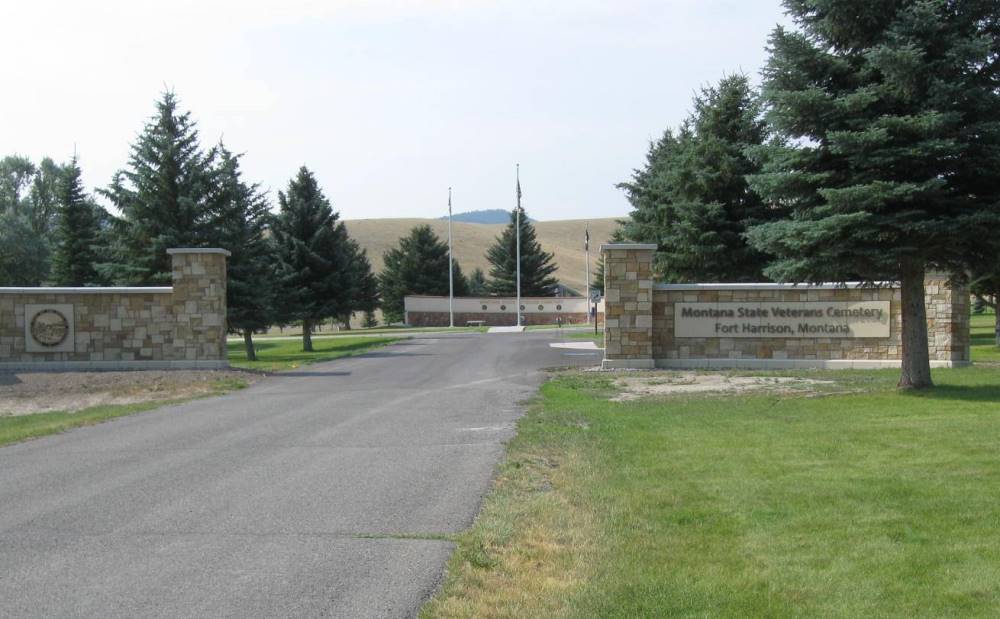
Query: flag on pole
[{"x": 586, "y": 239}]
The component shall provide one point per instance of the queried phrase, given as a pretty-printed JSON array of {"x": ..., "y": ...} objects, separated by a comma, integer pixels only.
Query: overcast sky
[{"x": 389, "y": 102}]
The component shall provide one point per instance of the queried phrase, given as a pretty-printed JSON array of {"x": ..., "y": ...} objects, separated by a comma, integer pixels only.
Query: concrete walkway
[{"x": 316, "y": 493}]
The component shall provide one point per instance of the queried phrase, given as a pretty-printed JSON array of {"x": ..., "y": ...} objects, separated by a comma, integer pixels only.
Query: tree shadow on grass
[{"x": 963, "y": 393}]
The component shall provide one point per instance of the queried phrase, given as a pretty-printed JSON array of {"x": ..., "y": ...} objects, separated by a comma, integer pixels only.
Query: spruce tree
[
  {"x": 692, "y": 199},
  {"x": 536, "y": 264},
  {"x": 890, "y": 114},
  {"x": 418, "y": 265},
  {"x": 77, "y": 232},
  {"x": 162, "y": 196},
  {"x": 239, "y": 221},
  {"x": 311, "y": 251},
  {"x": 363, "y": 284}
]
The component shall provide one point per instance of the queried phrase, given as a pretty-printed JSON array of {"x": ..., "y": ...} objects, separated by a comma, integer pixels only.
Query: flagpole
[
  {"x": 518, "y": 250},
  {"x": 586, "y": 247},
  {"x": 451, "y": 271}
]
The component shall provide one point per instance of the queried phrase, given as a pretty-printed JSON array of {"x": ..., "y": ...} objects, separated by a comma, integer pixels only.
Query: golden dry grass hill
[{"x": 564, "y": 238}]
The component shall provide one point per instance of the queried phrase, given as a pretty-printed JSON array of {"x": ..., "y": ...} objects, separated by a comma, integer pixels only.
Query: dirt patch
[
  {"x": 671, "y": 383},
  {"x": 24, "y": 393}
]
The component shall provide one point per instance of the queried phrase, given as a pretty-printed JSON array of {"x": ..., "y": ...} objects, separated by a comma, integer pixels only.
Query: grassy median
[
  {"x": 853, "y": 500},
  {"x": 276, "y": 355}
]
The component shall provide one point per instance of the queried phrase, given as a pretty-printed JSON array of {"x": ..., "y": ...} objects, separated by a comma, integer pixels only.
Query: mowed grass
[
  {"x": 983, "y": 338},
  {"x": 276, "y": 355},
  {"x": 16, "y": 428},
  {"x": 870, "y": 504},
  {"x": 391, "y": 330}
]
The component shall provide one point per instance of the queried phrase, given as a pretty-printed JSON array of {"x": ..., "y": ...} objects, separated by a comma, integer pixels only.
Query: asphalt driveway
[{"x": 315, "y": 493}]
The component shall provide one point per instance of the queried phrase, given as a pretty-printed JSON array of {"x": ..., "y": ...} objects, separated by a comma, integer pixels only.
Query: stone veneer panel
[
  {"x": 628, "y": 304},
  {"x": 121, "y": 327}
]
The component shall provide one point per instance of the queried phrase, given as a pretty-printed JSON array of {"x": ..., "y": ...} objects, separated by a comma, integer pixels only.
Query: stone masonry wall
[
  {"x": 182, "y": 326},
  {"x": 666, "y": 346},
  {"x": 629, "y": 342}
]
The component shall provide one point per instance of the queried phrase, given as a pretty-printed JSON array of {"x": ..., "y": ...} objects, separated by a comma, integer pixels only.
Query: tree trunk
[
  {"x": 346, "y": 320},
  {"x": 307, "y": 340},
  {"x": 916, "y": 372},
  {"x": 248, "y": 342}
]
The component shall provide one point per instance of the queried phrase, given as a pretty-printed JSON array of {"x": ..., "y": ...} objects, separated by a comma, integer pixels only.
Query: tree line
[
  {"x": 296, "y": 264},
  {"x": 870, "y": 152}
]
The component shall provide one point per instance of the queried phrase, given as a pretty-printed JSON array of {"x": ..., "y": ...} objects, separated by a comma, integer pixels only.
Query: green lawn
[
  {"x": 983, "y": 340},
  {"x": 276, "y": 355},
  {"x": 588, "y": 335},
  {"x": 15, "y": 428},
  {"x": 867, "y": 504}
]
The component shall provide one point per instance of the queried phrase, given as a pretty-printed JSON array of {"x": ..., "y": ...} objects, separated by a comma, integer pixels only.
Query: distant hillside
[
  {"x": 563, "y": 238},
  {"x": 485, "y": 216}
]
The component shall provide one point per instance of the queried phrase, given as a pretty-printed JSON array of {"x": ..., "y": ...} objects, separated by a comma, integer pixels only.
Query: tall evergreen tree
[
  {"x": 364, "y": 295},
  {"x": 692, "y": 198},
  {"x": 891, "y": 114},
  {"x": 240, "y": 215},
  {"x": 536, "y": 264},
  {"x": 311, "y": 250},
  {"x": 418, "y": 265},
  {"x": 163, "y": 196},
  {"x": 77, "y": 232}
]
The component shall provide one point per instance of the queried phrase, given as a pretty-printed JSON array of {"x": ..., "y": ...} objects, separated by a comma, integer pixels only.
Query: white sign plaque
[{"x": 778, "y": 319}]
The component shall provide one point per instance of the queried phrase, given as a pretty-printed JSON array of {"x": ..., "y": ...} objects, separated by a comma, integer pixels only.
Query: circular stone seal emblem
[{"x": 49, "y": 327}]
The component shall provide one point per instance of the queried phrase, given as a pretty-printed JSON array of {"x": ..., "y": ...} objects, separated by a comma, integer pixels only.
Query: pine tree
[
  {"x": 77, "y": 232},
  {"x": 240, "y": 215},
  {"x": 418, "y": 265},
  {"x": 536, "y": 264},
  {"x": 311, "y": 251},
  {"x": 363, "y": 295},
  {"x": 890, "y": 114},
  {"x": 162, "y": 196},
  {"x": 692, "y": 199},
  {"x": 477, "y": 283}
]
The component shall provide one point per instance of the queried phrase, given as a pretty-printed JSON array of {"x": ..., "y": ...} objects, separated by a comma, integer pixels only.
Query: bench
[{"x": 475, "y": 323}]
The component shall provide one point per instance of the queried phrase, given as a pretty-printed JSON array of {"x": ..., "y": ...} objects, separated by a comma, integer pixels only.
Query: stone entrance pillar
[
  {"x": 199, "y": 305},
  {"x": 628, "y": 305}
]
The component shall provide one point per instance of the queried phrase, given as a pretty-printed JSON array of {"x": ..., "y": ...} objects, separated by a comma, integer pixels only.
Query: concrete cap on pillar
[
  {"x": 199, "y": 250},
  {"x": 627, "y": 246}
]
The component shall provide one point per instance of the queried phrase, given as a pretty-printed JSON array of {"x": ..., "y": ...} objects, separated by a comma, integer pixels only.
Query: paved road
[{"x": 285, "y": 499}]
